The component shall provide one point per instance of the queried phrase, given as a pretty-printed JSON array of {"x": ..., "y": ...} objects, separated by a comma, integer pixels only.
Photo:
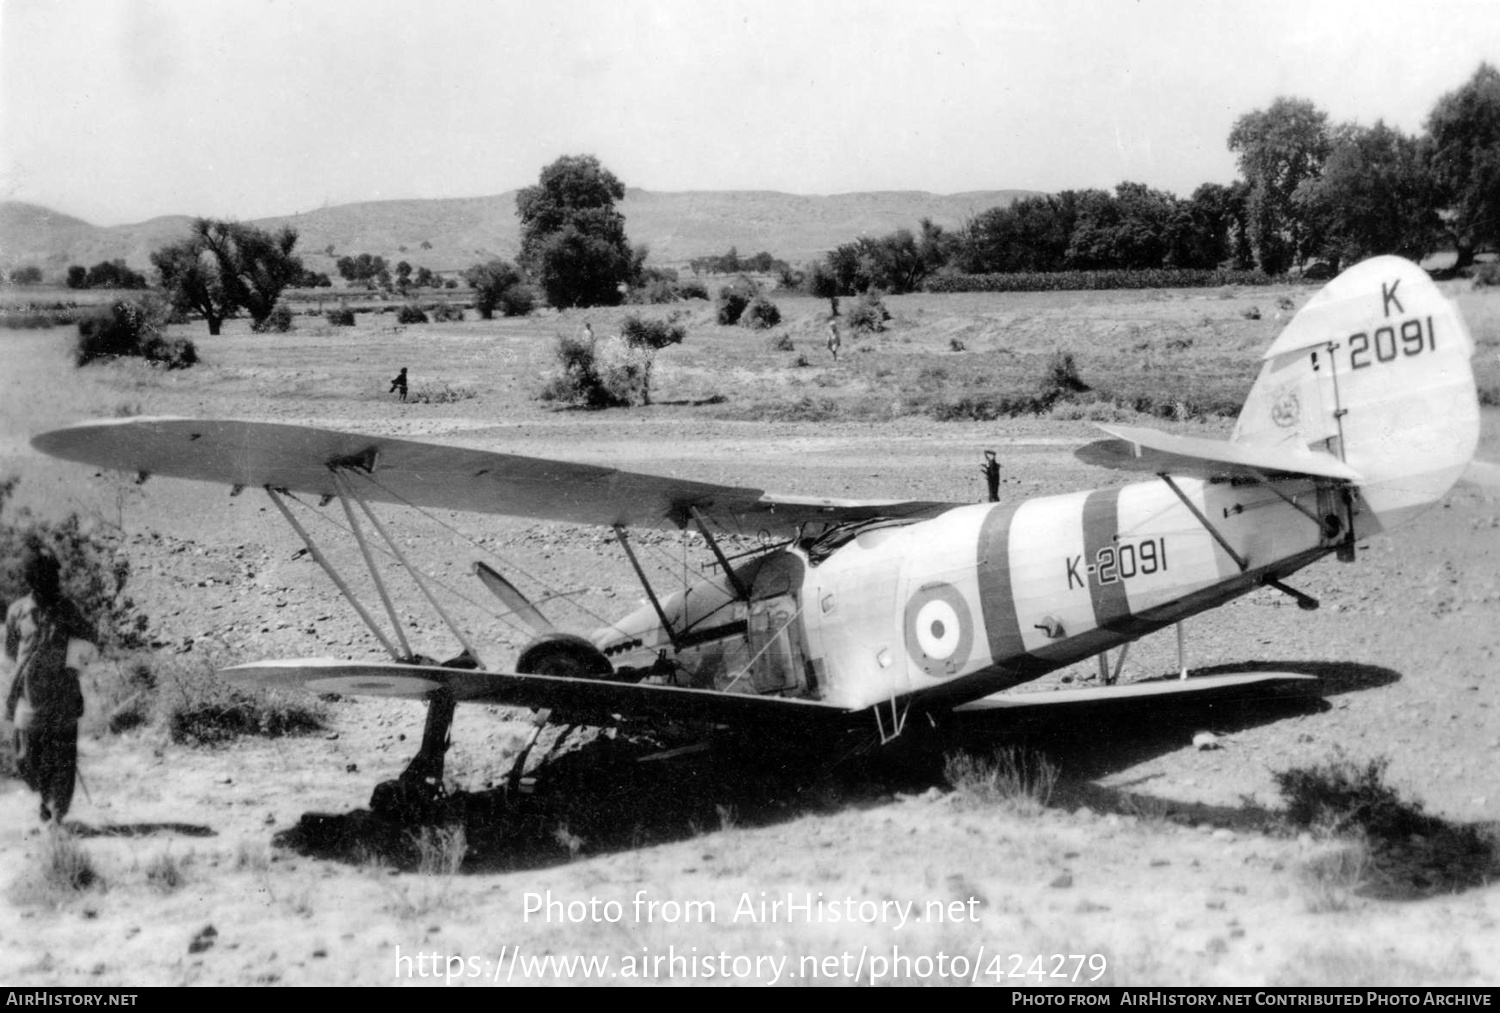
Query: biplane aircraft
[{"x": 870, "y": 613}]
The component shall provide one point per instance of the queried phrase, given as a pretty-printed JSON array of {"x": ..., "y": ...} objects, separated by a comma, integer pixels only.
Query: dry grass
[
  {"x": 62, "y": 871},
  {"x": 1020, "y": 780}
]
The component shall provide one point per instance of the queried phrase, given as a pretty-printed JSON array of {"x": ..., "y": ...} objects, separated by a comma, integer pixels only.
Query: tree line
[{"x": 1310, "y": 191}]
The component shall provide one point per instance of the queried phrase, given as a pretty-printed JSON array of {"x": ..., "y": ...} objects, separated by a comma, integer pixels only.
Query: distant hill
[{"x": 452, "y": 234}]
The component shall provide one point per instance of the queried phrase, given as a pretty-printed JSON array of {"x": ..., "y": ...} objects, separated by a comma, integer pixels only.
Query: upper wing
[
  {"x": 588, "y": 701},
  {"x": 1136, "y": 449},
  {"x": 304, "y": 459}
]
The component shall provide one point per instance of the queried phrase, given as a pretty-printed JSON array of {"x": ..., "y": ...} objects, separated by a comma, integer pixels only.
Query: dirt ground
[{"x": 1155, "y": 863}]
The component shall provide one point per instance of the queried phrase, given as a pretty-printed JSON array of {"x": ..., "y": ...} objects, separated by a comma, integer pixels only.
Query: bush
[
  {"x": 582, "y": 380},
  {"x": 94, "y": 571},
  {"x": 655, "y": 292},
  {"x": 341, "y": 317},
  {"x": 693, "y": 289},
  {"x": 782, "y": 343},
  {"x": 644, "y": 332},
  {"x": 131, "y": 328},
  {"x": 447, "y": 312},
  {"x": 411, "y": 313},
  {"x": 278, "y": 321},
  {"x": 440, "y": 392},
  {"x": 733, "y": 301},
  {"x": 1487, "y": 275},
  {"x": 761, "y": 314},
  {"x": 868, "y": 314},
  {"x": 203, "y": 710},
  {"x": 517, "y": 301}
]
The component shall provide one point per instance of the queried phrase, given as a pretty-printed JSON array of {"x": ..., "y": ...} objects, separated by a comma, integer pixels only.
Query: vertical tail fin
[{"x": 1375, "y": 369}]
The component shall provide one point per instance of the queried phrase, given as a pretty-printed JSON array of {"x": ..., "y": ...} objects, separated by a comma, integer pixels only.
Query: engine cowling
[{"x": 565, "y": 654}]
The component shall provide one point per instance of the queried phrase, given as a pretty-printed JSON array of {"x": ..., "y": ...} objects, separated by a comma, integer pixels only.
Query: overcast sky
[{"x": 120, "y": 110}]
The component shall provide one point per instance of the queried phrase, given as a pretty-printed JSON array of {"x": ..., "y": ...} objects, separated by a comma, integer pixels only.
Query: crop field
[{"x": 211, "y": 848}]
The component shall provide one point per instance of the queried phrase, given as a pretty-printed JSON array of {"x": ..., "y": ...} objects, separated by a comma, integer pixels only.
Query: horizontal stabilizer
[
  {"x": 1138, "y": 449},
  {"x": 1162, "y": 689},
  {"x": 586, "y": 701}
]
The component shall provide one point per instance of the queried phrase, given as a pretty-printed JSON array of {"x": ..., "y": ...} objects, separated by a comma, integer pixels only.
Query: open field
[{"x": 1172, "y": 863}]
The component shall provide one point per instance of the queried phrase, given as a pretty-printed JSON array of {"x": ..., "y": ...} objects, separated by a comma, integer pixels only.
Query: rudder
[{"x": 1376, "y": 371}]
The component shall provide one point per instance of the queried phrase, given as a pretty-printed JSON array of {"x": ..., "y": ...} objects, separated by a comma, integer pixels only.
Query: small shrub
[
  {"x": 1061, "y": 377},
  {"x": 411, "y": 313},
  {"x": 1253, "y": 313},
  {"x": 761, "y": 314},
  {"x": 341, "y": 317},
  {"x": 1019, "y": 779},
  {"x": 646, "y": 332},
  {"x": 447, "y": 312},
  {"x": 278, "y": 321},
  {"x": 801, "y": 361},
  {"x": 693, "y": 289},
  {"x": 440, "y": 392},
  {"x": 165, "y": 873},
  {"x": 782, "y": 343},
  {"x": 868, "y": 314},
  {"x": 1341, "y": 795},
  {"x": 955, "y": 345}
]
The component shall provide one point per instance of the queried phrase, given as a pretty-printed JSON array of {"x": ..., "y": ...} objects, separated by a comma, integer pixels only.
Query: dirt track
[{"x": 1155, "y": 855}]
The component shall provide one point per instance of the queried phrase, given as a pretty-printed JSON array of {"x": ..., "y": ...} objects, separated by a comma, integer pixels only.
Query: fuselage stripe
[
  {"x": 1101, "y": 522},
  {"x": 996, "y": 601}
]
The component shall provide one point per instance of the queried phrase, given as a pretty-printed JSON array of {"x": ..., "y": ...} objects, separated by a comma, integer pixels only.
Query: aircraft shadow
[{"x": 601, "y": 798}]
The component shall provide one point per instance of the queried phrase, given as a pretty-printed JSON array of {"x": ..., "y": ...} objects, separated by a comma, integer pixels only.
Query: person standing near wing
[{"x": 43, "y": 632}]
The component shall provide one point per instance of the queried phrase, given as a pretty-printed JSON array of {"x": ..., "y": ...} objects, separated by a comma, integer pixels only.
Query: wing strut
[
  {"x": 651, "y": 594},
  {"x": 416, "y": 575},
  {"x": 1239, "y": 560},
  {"x": 341, "y": 483},
  {"x": 739, "y": 588},
  {"x": 344, "y": 589}
]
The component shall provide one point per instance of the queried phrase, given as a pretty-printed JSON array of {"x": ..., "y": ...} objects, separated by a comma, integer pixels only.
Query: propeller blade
[{"x": 518, "y": 603}]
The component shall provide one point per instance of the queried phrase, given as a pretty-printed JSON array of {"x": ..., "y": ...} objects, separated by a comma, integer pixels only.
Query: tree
[
  {"x": 28, "y": 275},
  {"x": 78, "y": 276},
  {"x": 1279, "y": 149},
  {"x": 225, "y": 267},
  {"x": 572, "y": 238},
  {"x": 1464, "y": 156},
  {"x": 497, "y": 284},
  {"x": 1374, "y": 196}
]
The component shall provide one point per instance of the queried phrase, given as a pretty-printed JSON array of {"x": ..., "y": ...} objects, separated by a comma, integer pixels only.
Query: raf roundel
[{"x": 939, "y": 629}]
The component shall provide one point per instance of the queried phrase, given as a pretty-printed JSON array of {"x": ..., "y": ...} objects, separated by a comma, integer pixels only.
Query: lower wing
[{"x": 587, "y": 701}]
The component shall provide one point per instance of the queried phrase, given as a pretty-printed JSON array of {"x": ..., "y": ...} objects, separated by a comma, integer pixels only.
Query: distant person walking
[
  {"x": 833, "y": 338},
  {"x": 47, "y": 638},
  {"x": 991, "y": 469},
  {"x": 588, "y": 332},
  {"x": 398, "y": 385}
]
